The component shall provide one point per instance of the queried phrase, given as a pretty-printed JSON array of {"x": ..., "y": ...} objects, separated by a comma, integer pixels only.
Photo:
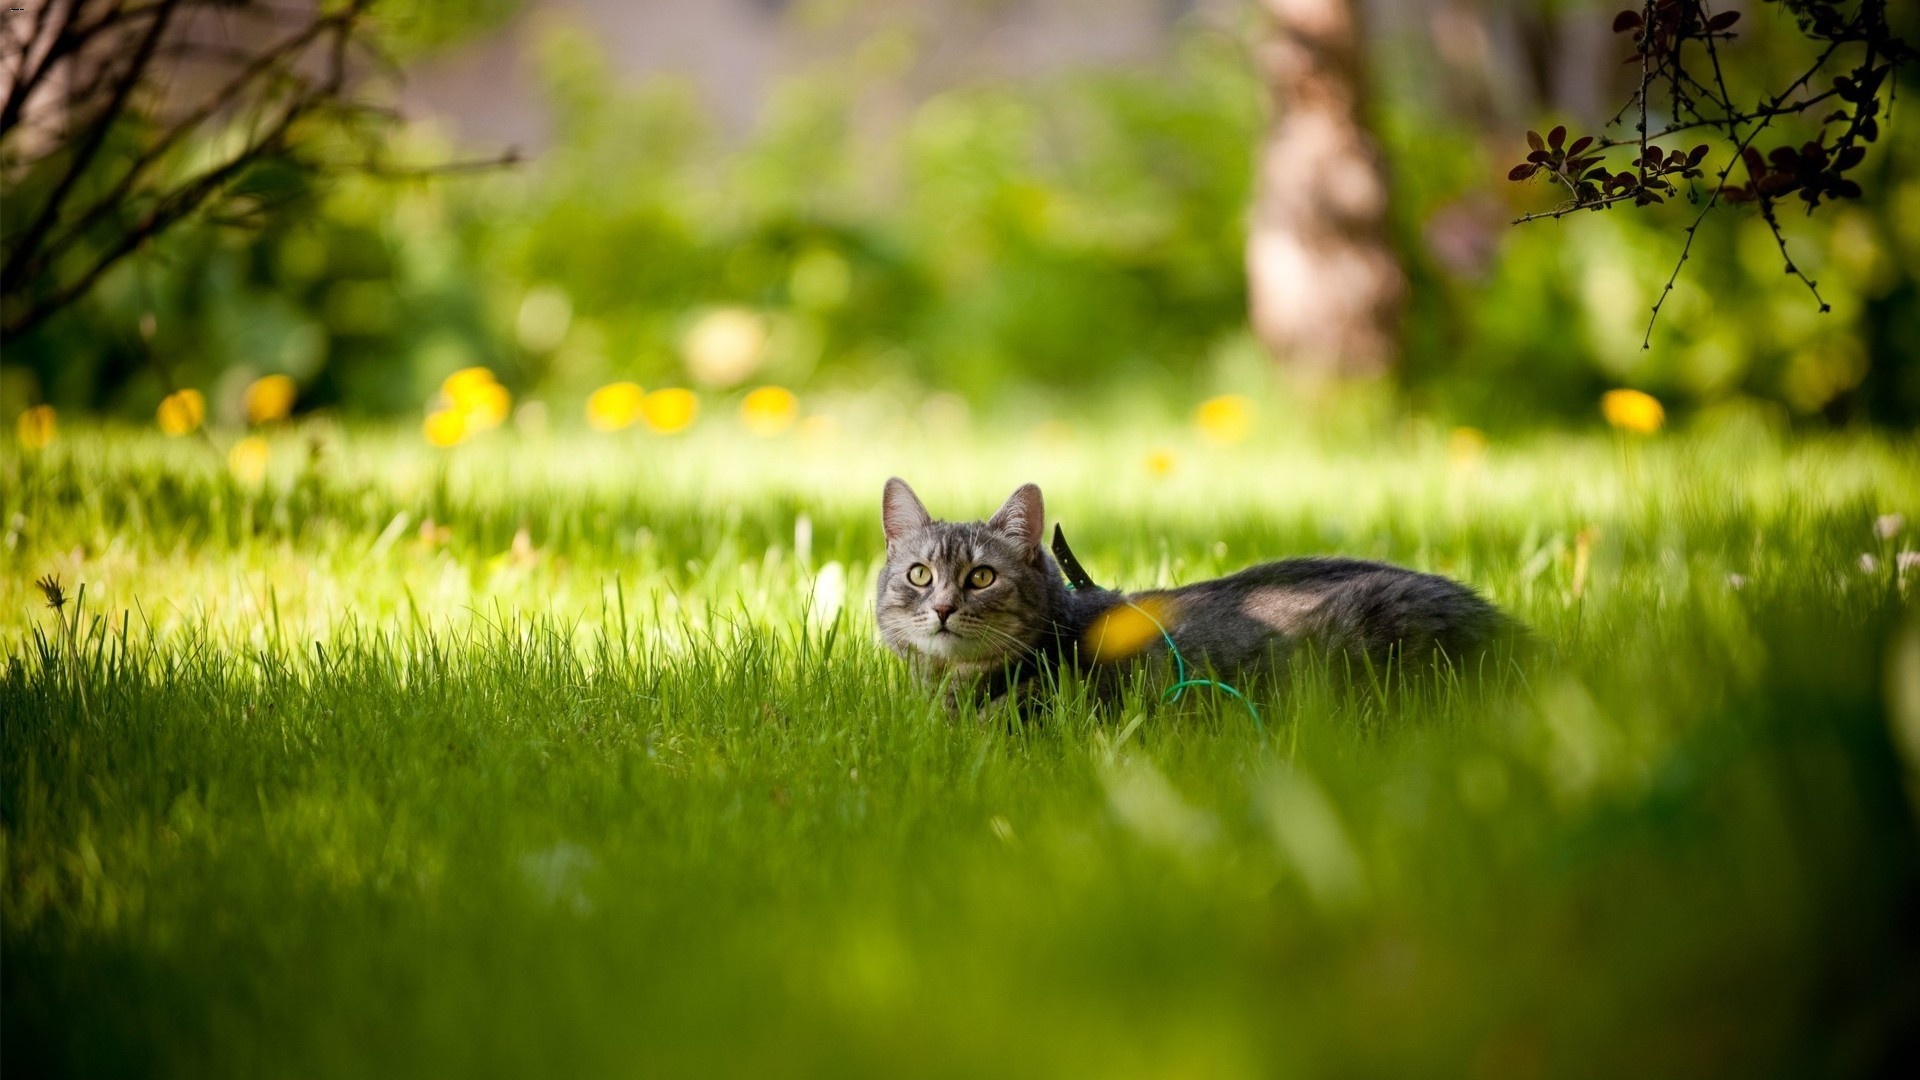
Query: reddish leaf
[
  {"x": 1723, "y": 20},
  {"x": 1534, "y": 140},
  {"x": 1626, "y": 20},
  {"x": 1539, "y": 157},
  {"x": 1557, "y": 137},
  {"x": 1698, "y": 153},
  {"x": 1522, "y": 171},
  {"x": 1579, "y": 144}
]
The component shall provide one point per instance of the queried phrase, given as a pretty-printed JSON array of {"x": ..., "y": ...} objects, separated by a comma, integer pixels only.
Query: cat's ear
[
  {"x": 900, "y": 511},
  {"x": 1022, "y": 518}
]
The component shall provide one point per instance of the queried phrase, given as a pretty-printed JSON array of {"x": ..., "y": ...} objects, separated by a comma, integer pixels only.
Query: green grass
[{"x": 300, "y": 791}]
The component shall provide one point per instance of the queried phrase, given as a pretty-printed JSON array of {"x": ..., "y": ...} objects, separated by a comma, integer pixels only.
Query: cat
[{"x": 983, "y": 608}]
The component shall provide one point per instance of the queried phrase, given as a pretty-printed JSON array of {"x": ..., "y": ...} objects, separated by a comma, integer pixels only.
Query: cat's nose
[{"x": 942, "y": 611}]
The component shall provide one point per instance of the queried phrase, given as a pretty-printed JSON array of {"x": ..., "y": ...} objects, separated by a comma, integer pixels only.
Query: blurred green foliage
[{"x": 1056, "y": 240}]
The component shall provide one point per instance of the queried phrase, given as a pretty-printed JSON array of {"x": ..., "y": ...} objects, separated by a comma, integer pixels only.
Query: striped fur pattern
[{"x": 1002, "y": 630}]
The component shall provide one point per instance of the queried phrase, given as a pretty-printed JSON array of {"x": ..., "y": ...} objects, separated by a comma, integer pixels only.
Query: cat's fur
[{"x": 1001, "y": 638}]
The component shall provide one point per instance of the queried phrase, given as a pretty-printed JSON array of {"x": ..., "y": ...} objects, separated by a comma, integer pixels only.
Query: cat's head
[{"x": 964, "y": 595}]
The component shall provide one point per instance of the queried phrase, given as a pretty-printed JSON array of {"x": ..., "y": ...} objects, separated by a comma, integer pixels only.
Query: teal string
[{"x": 1181, "y": 682}]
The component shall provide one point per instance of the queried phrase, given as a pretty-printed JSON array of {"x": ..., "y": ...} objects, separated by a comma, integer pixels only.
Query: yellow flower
[
  {"x": 1123, "y": 631},
  {"x": 445, "y": 427},
  {"x": 487, "y": 407},
  {"x": 1224, "y": 420},
  {"x": 36, "y": 427},
  {"x": 466, "y": 387},
  {"x": 474, "y": 393},
  {"x": 769, "y": 411},
  {"x": 270, "y": 398},
  {"x": 614, "y": 406},
  {"x": 182, "y": 413},
  {"x": 1161, "y": 462},
  {"x": 1631, "y": 410},
  {"x": 819, "y": 429},
  {"x": 670, "y": 410},
  {"x": 248, "y": 459},
  {"x": 1466, "y": 445},
  {"x": 725, "y": 347}
]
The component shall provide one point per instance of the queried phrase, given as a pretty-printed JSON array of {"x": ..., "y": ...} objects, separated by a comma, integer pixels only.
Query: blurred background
[{"x": 1017, "y": 208}]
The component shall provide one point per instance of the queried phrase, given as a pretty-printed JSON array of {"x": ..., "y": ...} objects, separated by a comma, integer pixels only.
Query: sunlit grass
[{"x": 530, "y": 756}]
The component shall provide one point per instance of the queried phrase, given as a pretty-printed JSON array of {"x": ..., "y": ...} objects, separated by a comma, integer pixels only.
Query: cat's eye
[
  {"x": 920, "y": 574},
  {"x": 981, "y": 577}
]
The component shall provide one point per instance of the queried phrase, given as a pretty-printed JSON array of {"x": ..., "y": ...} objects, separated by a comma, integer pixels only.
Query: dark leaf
[
  {"x": 1597, "y": 175},
  {"x": 1534, "y": 140},
  {"x": 1784, "y": 157},
  {"x": 1846, "y": 189},
  {"x": 1539, "y": 157},
  {"x": 1737, "y": 194},
  {"x": 1579, "y": 144},
  {"x": 1848, "y": 158},
  {"x": 1626, "y": 20},
  {"x": 1869, "y": 129},
  {"x": 1698, "y": 153},
  {"x": 1557, "y": 137},
  {"x": 1723, "y": 20},
  {"x": 1775, "y": 184},
  {"x": 1523, "y": 171},
  {"x": 1586, "y": 193}
]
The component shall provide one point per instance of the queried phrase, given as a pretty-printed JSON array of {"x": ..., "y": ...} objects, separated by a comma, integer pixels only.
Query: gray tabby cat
[{"x": 984, "y": 605}]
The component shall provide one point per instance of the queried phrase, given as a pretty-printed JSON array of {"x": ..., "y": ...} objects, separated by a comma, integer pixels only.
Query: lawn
[{"x": 576, "y": 756}]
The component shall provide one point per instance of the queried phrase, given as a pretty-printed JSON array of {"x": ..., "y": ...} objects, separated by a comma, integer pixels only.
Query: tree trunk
[{"x": 1325, "y": 286}]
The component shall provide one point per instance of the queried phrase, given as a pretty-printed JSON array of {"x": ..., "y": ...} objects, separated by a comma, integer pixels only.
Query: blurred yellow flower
[
  {"x": 181, "y": 413},
  {"x": 819, "y": 429},
  {"x": 769, "y": 411},
  {"x": 1161, "y": 462},
  {"x": 270, "y": 398},
  {"x": 1466, "y": 445},
  {"x": 465, "y": 387},
  {"x": 445, "y": 427},
  {"x": 1224, "y": 420},
  {"x": 479, "y": 399},
  {"x": 489, "y": 407},
  {"x": 248, "y": 459},
  {"x": 670, "y": 410},
  {"x": 614, "y": 406},
  {"x": 1631, "y": 410},
  {"x": 1122, "y": 632},
  {"x": 724, "y": 347},
  {"x": 36, "y": 427}
]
